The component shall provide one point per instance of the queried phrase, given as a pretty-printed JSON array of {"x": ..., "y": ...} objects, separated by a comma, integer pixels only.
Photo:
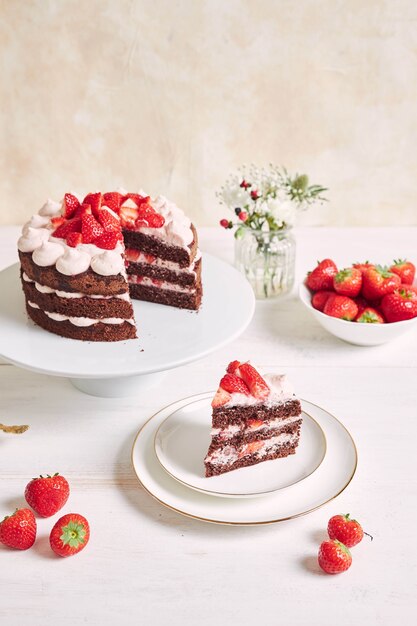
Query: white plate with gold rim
[
  {"x": 183, "y": 438},
  {"x": 326, "y": 483}
]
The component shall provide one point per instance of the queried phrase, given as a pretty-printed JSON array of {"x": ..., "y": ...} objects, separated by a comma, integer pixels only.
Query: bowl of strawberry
[{"x": 365, "y": 304}]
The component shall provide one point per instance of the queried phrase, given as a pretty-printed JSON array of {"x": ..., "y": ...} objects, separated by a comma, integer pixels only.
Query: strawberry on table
[
  {"x": 378, "y": 281},
  {"x": 320, "y": 298},
  {"x": 345, "y": 530},
  {"x": 348, "y": 282},
  {"x": 334, "y": 557},
  {"x": 400, "y": 305},
  {"x": 47, "y": 494},
  {"x": 369, "y": 315},
  {"x": 234, "y": 384},
  {"x": 18, "y": 530},
  {"x": 321, "y": 278},
  {"x": 257, "y": 386},
  {"x": 405, "y": 270},
  {"x": 341, "y": 307},
  {"x": 70, "y": 535}
]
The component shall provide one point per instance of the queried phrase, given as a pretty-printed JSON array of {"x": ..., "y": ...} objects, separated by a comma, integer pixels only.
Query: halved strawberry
[
  {"x": 94, "y": 200},
  {"x": 70, "y": 226},
  {"x": 73, "y": 239},
  {"x": 156, "y": 282},
  {"x": 155, "y": 220},
  {"x": 108, "y": 240},
  {"x": 145, "y": 209},
  {"x": 131, "y": 254},
  {"x": 257, "y": 386},
  {"x": 90, "y": 228},
  {"x": 150, "y": 258},
  {"x": 137, "y": 198},
  {"x": 58, "y": 221},
  {"x": 221, "y": 398},
  {"x": 234, "y": 384},
  {"x": 71, "y": 204},
  {"x": 128, "y": 216},
  {"x": 83, "y": 209},
  {"x": 108, "y": 220},
  {"x": 253, "y": 424},
  {"x": 250, "y": 448},
  {"x": 232, "y": 367},
  {"x": 112, "y": 199}
]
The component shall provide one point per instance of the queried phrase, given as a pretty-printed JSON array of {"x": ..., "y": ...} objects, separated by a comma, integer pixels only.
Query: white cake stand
[{"x": 168, "y": 337}]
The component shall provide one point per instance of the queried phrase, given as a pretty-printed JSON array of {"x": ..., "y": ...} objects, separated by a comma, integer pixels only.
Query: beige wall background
[{"x": 170, "y": 95}]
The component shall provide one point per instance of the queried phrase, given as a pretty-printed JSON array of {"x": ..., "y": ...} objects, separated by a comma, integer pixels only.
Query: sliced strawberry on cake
[{"x": 255, "y": 418}]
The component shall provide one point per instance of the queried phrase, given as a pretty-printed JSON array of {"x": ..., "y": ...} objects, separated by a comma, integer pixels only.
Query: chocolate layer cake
[
  {"x": 163, "y": 259},
  {"x": 73, "y": 271},
  {"x": 254, "y": 419},
  {"x": 76, "y": 272}
]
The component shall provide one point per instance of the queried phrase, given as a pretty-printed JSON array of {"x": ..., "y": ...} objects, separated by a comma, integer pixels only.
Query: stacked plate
[{"x": 169, "y": 451}]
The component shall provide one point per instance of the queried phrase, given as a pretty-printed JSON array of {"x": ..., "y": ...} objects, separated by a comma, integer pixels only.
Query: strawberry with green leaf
[
  {"x": 70, "y": 535},
  {"x": 405, "y": 270}
]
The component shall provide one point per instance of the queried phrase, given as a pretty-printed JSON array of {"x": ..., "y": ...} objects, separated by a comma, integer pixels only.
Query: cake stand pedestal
[{"x": 167, "y": 337}]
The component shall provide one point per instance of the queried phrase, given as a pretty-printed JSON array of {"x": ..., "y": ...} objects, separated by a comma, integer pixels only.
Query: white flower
[
  {"x": 282, "y": 210},
  {"x": 235, "y": 196}
]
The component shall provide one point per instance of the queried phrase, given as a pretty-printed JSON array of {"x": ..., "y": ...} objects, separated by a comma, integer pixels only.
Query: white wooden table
[{"x": 147, "y": 565}]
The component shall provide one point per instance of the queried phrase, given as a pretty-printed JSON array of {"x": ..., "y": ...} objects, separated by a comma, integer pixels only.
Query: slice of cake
[
  {"x": 73, "y": 270},
  {"x": 163, "y": 259},
  {"x": 254, "y": 419}
]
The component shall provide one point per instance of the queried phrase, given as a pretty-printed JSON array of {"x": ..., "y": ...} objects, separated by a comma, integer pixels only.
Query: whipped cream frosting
[
  {"x": 71, "y": 261},
  {"x": 281, "y": 391},
  {"x": 133, "y": 256},
  {"x": 81, "y": 321},
  {"x": 229, "y": 454},
  {"x": 177, "y": 228},
  {"x": 232, "y": 430}
]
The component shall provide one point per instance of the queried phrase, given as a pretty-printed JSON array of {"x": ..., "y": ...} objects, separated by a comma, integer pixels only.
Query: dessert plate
[
  {"x": 183, "y": 438},
  {"x": 168, "y": 337},
  {"x": 326, "y": 483}
]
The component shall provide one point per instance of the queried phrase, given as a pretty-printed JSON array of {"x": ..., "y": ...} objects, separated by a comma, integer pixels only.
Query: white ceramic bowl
[{"x": 358, "y": 334}]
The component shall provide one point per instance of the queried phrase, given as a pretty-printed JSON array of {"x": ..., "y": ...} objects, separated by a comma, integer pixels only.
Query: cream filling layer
[
  {"x": 230, "y": 454},
  {"x": 81, "y": 321},
  {"x": 73, "y": 294},
  {"x": 232, "y": 430},
  {"x": 146, "y": 281},
  {"x": 134, "y": 256}
]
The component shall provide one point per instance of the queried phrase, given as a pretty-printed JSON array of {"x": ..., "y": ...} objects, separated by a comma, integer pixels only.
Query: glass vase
[{"x": 267, "y": 259}]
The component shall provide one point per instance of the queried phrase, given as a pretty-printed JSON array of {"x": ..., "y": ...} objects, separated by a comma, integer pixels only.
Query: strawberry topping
[
  {"x": 74, "y": 239},
  {"x": 109, "y": 221},
  {"x": 221, "y": 398},
  {"x": 112, "y": 199},
  {"x": 71, "y": 204},
  {"x": 94, "y": 200},
  {"x": 257, "y": 386},
  {"x": 234, "y": 384},
  {"x": 91, "y": 229},
  {"x": 107, "y": 240}
]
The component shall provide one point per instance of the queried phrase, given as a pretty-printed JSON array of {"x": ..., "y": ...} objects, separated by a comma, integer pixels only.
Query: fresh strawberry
[
  {"x": 234, "y": 384},
  {"x": 150, "y": 258},
  {"x": 232, "y": 367},
  {"x": 155, "y": 220},
  {"x": 257, "y": 386},
  {"x": 107, "y": 241},
  {"x": 91, "y": 229},
  {"x": 348, "y": 282},
  {"x": 58, "y": 221},
  {"x": 254, "y": 424},
  {"x": 71, "y": 204},
  {"x": 320, "y": 298},
  {"x": 334, "y": 557},
  {"x": 18, "y": 530},
  {"x": 94, "y": 200},
  {"x": 250, "y": 448},
  {"x": 157, "y": 282},
  {"x": 112, "y": 199},
  {"x": 145, "y": 209},
  {"x": 70, "y": 535},
  {"x": 361, "y": 303},
  {"x": 378, "y": 281},
  {"x": 128, "y": 217},
  {"x": 109, "y": 221},
  {"x": 47, "y": 494},
  {"x": 221, "y": 397},
  {"x": 400, "y": 305},
  {"x": 341, "y": 307},
  {"x": 136, "y": 198},
  {"x": 363, "y": 266},
  {"x": 83, "y": 209},
  {"x": 345, "y": 530},
  {"x": 369, "y": 315},
  {"x": 405, "y": 270},
  {"x": 70, "y": 226},
  {"x": 73, "y": 239},
  {"x": 321, "y": 278}
]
